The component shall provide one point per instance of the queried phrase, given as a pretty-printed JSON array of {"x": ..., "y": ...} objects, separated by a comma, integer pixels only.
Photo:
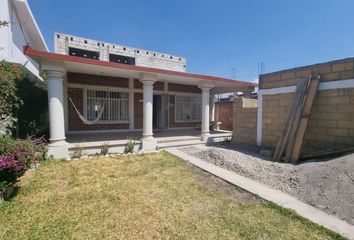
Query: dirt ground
[{"x": 327, "y": 184}]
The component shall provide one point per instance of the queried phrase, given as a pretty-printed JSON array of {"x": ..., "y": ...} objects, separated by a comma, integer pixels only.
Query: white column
[
  {"x": 148, "y": 143},
  {"x": 205, "y": 112},
  {"x": 56, "y": 109},
  {"x": 57, "y": 146},
  {"x": 212, "y": 100}
]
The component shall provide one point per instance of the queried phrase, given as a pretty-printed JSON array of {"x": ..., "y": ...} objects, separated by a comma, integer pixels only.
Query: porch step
[
  {"x": 177, "y": 139},
  {"x": 179, "y": 143},
  {"x": 117, "y": 146}
]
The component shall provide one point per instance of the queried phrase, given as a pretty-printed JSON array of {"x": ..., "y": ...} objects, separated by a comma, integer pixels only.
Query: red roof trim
[{"x": 41, "y": 54}]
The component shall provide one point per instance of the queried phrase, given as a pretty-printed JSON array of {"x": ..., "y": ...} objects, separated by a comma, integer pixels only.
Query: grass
[{"x": 153, "y": 196}]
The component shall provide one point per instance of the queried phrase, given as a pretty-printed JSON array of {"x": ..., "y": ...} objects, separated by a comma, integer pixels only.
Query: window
[
  {"x": 83, "y": 53},
  {"x": 188, "y": 108},
  {"x": 121, "y": 59},
  {"x": 116, "y": 105}
]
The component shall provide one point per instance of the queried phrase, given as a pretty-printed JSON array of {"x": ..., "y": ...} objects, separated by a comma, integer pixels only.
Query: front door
[{"x": 157, "y": 112}]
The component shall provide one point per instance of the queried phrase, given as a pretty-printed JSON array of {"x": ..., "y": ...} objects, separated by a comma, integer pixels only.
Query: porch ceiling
[{"x": 91, "y": 66}]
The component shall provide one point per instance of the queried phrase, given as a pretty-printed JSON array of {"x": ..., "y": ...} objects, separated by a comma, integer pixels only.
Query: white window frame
[
  {"x": 190, "y": 108},
  {"x": 126, "y": 91}
]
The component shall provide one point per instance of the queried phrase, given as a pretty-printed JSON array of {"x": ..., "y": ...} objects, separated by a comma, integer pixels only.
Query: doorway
[{"x": 157, "y": 113}]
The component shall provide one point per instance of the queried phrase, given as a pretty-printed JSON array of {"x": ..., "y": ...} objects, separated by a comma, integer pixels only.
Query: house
[
  {"x": 97, "y": 87},
  {"x": 21, "y": 29}
]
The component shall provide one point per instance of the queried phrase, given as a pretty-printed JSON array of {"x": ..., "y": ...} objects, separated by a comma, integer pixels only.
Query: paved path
[{"x": 282, "y": 199}]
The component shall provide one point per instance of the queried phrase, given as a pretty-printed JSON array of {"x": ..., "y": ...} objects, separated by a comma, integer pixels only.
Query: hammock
[{"x": 86, "y": 121}]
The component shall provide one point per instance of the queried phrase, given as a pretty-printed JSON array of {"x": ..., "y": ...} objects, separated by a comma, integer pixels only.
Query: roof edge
[{"x": 55, "y": 56}]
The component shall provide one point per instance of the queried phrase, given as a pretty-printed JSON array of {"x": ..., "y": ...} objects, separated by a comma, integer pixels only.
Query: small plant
[
  {"x": 129, "y": 146},
  {"x": 79, "y": 151},
  {"x": 104, "y": 149}
]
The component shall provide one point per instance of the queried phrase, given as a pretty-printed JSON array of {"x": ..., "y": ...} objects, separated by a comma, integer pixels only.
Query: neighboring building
[
  {"x": 22, "y": 30},
  {"x": 95, "y": 87},
  {"x": 83, "y": 47}
]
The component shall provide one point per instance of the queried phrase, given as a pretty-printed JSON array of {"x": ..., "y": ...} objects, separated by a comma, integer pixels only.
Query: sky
[{"x": 226, "y": 38}]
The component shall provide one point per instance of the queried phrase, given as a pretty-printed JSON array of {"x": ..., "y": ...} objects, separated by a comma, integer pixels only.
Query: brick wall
[
  {"x": 75, "y": 123},
  {"x": 223, "y": 114},
  {"x": 89, "y": 79},
  {"x": 76, "y": 94},
  {"x": 138, "y": 110},
  {"x": 331, "y": 123},
  {"x": 245, "y": 121},
  {"x": 183, "y": 88}
]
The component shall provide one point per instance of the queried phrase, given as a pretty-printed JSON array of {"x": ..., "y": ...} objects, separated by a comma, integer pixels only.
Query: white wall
[{"x": 12, "y": 39}]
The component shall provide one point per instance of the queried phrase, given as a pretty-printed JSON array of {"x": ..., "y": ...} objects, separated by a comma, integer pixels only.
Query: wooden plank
[
  {"x": 288, "y": 124},
  {"x": 296, "y": 119},
  {"x": 313, "y": 87}
]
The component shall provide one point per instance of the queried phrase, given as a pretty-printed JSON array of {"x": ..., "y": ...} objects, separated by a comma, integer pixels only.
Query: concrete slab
[{"x": 282, "y": 199}]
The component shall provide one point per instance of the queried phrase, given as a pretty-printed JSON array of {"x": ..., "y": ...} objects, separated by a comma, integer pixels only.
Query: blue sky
[{"x": 214, "y": 36}]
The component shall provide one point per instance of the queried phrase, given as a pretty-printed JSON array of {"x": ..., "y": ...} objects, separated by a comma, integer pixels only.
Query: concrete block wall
[
  {"x": 245, "y": 121},
  {"x": 143, "y": 57},
  {"x": 331, "y": 123}
]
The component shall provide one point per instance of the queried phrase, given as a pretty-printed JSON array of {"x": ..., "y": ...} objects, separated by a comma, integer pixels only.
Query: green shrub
[
  {"x": 104, "y": 149},
  {"x": 129, "y": 146},
  {"x": 32, "y": 115},
  {"x": 23, "y": 100}
]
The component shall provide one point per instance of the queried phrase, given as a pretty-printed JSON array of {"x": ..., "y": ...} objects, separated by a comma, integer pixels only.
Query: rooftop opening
[
  {"x": 83, "y": 53},
  {"x": 121, "y": 59}
]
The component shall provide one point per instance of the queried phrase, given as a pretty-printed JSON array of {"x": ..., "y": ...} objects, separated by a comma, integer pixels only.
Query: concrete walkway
[{"x": 282, "y": 199}]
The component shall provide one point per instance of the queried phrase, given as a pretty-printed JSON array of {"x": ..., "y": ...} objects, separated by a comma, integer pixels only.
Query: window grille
[
  {"x": 188, "y": 108},
  {"x": 116, "y": 105}
]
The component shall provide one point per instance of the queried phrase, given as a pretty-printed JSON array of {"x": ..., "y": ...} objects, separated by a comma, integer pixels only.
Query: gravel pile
[{"x": 328, "y": 185}]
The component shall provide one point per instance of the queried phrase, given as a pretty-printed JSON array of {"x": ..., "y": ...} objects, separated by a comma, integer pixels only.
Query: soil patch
[{"x": 326, "y": 184}]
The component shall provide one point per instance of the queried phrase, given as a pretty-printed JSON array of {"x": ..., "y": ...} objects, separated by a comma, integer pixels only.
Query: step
[
  {"x": 179, "y": 143},
  {"x": 177, "y": 139}
]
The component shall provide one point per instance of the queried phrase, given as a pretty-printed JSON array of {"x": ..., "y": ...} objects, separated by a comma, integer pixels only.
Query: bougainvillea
[
  {"x": 16, "y": 156},
  {"x": 7, "y": 162}
]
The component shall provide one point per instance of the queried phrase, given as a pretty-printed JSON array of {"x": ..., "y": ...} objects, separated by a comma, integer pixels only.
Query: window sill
[
  {"x": 112, "y": 122},
  {"x": 188, "y": 121}
]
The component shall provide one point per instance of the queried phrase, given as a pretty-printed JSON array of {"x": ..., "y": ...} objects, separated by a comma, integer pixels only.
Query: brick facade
[
  {"x": 223, "y": 114},
  {"x": 77, "y": 95},
  {"x": 138, "y": 110},
  {"x": 331, "y": 123},
  {"x": 75, "y": 123},
  {"x": 89, "y": 79},
  {"x": 244, "y": 121},
  {"x": 174, "y": 87}
]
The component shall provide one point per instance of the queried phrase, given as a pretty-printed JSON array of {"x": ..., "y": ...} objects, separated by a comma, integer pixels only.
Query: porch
[
  {"x": 133, "y": 97},
  {"x": 92, "y": 141}
]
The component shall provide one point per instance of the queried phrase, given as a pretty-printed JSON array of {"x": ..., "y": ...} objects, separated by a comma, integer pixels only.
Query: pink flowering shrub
[{"x": 17, "y": 156}]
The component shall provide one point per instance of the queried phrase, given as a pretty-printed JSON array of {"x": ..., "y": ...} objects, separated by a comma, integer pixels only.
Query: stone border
[
  {"x": 275, "y": 196},
  {"x": 7, "y": 193}
]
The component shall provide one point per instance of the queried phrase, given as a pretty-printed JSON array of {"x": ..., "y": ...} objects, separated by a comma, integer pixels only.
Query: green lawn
[{"x": 154, "y": 196}]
